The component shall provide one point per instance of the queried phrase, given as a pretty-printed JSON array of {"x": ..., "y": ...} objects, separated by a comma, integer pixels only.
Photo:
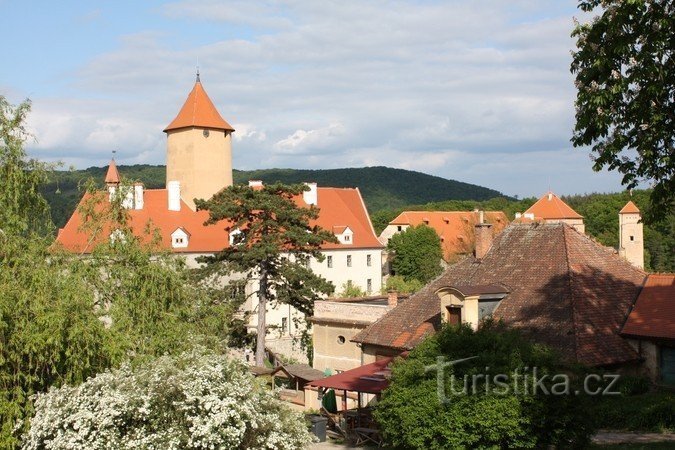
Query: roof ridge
[{"x": 570, "y": 287}]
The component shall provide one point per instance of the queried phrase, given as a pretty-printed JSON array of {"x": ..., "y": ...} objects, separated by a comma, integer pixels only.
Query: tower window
[
  {"x": 369, "y": 285},
  {"x": 369, "y": 260},
  {"x": 349, "y": 260},
  {"x": 329, "y": 260},
  {"x": 632, "y": 238},
  {"x": 284, "y": 325}
]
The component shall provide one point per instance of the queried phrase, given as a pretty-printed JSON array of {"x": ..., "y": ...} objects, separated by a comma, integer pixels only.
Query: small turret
[{"x": 631, "y": 243}]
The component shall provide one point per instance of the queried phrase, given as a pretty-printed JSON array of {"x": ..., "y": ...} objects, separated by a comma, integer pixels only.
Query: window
[
  {"x": 369, "y": 285},
  {"x": 284, "y": 325},
  {"x": 341, "y": 340},
  {"x": 369, "y": 260},
  {"x": 349, "y": 260},
  {"x": 347, "y": 238},
  {"x": 399, "y": 228},
  {"x": 632, "y": 238},
  {"x": 329, "y": 260}
]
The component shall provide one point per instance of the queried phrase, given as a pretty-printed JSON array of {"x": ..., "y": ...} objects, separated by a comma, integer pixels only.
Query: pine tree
[{"x": 272, "y": 243}]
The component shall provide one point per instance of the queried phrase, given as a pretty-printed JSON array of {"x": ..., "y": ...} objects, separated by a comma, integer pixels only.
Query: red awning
[{"x": 371, "y": 378}]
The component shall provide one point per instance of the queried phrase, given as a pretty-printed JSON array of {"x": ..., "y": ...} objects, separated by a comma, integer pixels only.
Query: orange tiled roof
[
  {"x": 455, "y": 228},
  {"x": 112, "y": 176},
  {"x": 653, "y": 315},
  {"x": 551, "y": 207},
  {"x": 199, "y": 111},
  {"x": 336, "y": 205},
  {"x": 630, "y": 208}
]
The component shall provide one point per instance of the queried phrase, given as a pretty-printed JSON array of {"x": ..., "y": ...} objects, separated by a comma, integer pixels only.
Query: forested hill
[{"x": 382, "y": 187}]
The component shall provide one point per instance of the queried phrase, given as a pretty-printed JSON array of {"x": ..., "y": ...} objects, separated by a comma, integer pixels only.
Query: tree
[
  {"x": 22, "y": 208},
  {"x": 272, "y": 243},
  {"x": 195, "y": 401},
  {"x": 417, "y": 253},
  {"x": 463, "y": 406},
  {"x": 625, "y": 76}
]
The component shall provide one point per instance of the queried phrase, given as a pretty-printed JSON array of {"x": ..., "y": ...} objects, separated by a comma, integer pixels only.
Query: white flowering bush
[{"x": 195, "y": 401}]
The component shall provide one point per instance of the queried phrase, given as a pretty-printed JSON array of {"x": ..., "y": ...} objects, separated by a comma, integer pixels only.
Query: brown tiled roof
[
  {"x": 629, "y": 208},
  {"x": 455, "y": 228},
  {"x": 550, "y": 207},
  {"x": 565, "y": 291},
  {"x": 112, "y": 176},
  {"x": 654, "y": 313}
]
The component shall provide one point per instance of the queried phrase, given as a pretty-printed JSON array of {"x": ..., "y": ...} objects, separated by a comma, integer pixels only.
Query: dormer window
[
  {"x": 180, "y": 238},
  {"x": 236, "y": 237},
  {"x": 344, "y": 234}
]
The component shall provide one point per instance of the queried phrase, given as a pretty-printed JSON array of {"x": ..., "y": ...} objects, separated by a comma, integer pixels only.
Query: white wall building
[{"x": 356, "y": 257}]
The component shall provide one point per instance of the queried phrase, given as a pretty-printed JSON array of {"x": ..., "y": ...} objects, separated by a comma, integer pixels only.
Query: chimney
[
  {"x": 174, "y": 195},
  {"x": 138, "y": 196},
  {"x": 519, "y": 215},
  {"x": 483, "y": 232},
  {"x": 128, "y": 202},
  {"x": 392, "y": 298},
  {"x": 310, "y": 197}
]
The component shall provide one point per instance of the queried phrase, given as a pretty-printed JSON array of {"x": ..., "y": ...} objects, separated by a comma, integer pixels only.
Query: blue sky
[{"x": 478, "y": 91}]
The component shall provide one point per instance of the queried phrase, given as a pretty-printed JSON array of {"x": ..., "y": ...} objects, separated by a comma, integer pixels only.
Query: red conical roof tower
[{"x": 199, "y": 111}]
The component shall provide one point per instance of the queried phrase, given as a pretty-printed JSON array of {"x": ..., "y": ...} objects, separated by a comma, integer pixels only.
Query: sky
[{"x": 473, "y": 90}]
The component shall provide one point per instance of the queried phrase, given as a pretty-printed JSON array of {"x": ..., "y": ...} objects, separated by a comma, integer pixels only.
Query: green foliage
[
  {"x": 350, "y": 290},
  {"x": 22, "y": 208},
  {"x": 399, "y": 284},
  {"x": 412, "y": 415},
  {"x": 272, "y": 244},
  {"x": 625, "y": 77},
  {"x": 653, "y": 411},
  {"x": 600, "y": 213},
  {"x": 49, "y": 333},
  {"x": 417, "y": 254},
  {"x": 64, "y": 318}
]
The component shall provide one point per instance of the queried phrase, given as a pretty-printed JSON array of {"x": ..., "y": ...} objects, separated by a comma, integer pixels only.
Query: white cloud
[
  {"x": 459, "y": 90},
  {"x": 308, "y": 141}
]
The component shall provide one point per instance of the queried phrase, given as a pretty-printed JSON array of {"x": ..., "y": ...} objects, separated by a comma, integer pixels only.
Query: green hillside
[{"x": 382, "y": 187}]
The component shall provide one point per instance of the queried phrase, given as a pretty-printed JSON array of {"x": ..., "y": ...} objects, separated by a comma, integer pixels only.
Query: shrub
[
  {"x": 412, "y": 414},
  {"x": 399, "y": 284},
  {"x": 195, "y": 401},
  {"x": 634, "y": 385}
]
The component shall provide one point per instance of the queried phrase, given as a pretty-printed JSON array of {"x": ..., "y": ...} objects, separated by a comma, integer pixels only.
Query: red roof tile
[
  {"x": 112, "y": 176},
  {"x": 653, "y": 315},
  {"x": 336, "y": 206},
  {"x": 565, "y": 290},
  {"x": 455, "y": 228},
  {"x": 372, "y": 378},
  {"x": 199, "y": 111},
  {"x": 629, "y": 208},
  {"x": 551, "y": 207}
]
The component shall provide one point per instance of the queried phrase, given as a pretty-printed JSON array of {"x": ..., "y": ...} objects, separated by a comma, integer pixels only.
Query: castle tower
[
  {"x": 631, "y": 244},
  {"x": 199, "y": 148}
]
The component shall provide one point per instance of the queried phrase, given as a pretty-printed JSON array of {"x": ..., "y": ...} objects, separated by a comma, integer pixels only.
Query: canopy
[{"x": 371, "y": 378}]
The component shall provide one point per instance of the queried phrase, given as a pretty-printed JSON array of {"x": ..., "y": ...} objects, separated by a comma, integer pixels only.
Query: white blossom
[{"x": 196, "y": 401}]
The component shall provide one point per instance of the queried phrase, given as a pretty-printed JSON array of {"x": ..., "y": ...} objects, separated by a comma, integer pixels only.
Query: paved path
[
  {"x": 602, "y": 438},
  {"x": 617, "y": 437}
]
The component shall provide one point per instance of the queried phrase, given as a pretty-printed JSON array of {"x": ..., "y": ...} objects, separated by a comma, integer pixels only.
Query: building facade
[{"x": 199, "y": 164}]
